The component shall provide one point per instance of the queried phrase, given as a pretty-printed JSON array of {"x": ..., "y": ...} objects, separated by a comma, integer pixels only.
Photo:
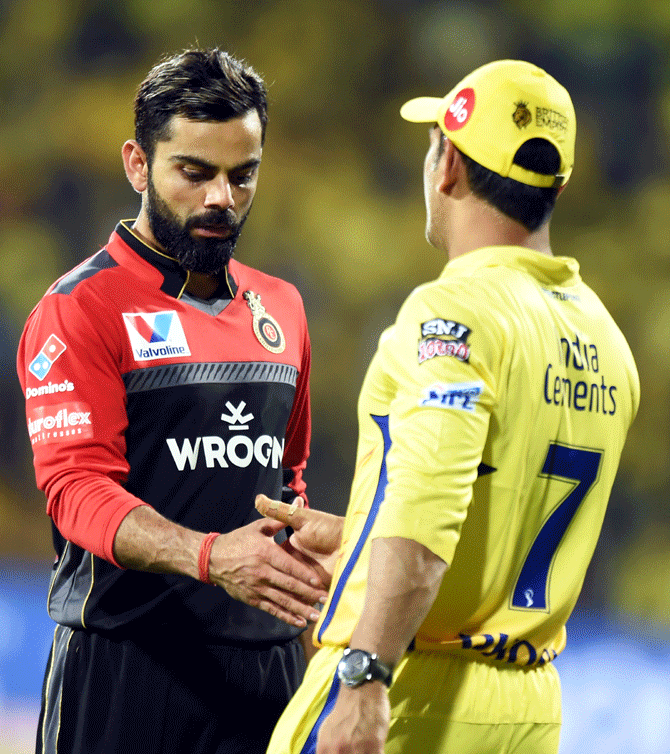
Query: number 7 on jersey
[{"x": 566, "y": 463}]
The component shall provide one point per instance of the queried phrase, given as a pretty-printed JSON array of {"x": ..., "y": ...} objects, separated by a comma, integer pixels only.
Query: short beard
[{"x": 205, "y": 255}]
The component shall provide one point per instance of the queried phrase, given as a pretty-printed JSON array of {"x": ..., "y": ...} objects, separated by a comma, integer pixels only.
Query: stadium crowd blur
[{"x": 339, "y": 210}]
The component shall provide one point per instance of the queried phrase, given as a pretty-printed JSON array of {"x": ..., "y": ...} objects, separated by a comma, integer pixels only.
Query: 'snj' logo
[{"x": 156, "y": 335}]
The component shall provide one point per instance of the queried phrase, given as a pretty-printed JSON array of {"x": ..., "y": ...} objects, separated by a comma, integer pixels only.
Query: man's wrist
[{"x": 204, "y": 556}]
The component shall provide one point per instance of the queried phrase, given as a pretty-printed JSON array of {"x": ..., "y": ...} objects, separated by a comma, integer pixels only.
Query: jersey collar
[
  {"x": 175, "y": 277},
  {"x": 547, "y": 269}
]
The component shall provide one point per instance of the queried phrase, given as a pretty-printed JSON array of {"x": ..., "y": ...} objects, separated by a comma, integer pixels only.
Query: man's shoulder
[
  {"x": 85, "y": 272},
  {"x": 454, "y": 292},
  {"x": 248, "y": 277}
]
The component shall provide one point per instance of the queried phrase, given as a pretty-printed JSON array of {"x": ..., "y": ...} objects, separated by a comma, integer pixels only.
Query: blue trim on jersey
[
  {"x": 310, "y": 743},
  {"x": 383, "y": 424}
]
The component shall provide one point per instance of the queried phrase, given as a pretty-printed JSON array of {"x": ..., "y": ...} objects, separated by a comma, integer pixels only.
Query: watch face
[
  {"x": 358, "y": 663},
  {"x": 353, "y": 667}
]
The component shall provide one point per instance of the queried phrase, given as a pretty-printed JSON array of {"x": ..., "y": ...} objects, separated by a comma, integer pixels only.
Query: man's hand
[
  {"x": 316, "y": 535},
  {"x": 359, "y": 722},
  {"x": 254, "y": 569}
]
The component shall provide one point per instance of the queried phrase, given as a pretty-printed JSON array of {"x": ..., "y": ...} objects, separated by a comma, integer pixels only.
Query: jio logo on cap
[{"x": 460, "y": 110}]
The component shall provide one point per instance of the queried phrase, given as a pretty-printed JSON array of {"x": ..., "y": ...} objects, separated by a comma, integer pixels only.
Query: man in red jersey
[{"x": 166, "y": 386}]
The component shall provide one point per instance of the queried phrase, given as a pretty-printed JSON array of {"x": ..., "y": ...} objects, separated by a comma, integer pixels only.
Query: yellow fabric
[
  {"x": 440, "y": 704},
  {"x": 497, "y": 108},
  {"x": 508, "y": 360}
]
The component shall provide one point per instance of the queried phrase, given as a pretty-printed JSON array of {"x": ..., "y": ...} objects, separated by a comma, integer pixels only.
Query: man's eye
[
  {"x": 193, "y": 175},
  {"x": 242, "y": 179}
]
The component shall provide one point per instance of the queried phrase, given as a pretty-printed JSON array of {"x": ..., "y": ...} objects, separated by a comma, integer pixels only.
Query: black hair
[
  {"x": 529, "y": 205},
  {"x": 206, "y": 85}
]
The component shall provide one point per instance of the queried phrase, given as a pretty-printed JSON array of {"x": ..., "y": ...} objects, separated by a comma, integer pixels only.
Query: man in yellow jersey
[{"x": 491, "y": 423}]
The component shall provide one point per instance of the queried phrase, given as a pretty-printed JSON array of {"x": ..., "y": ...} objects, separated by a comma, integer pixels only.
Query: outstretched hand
[
  {"x": 254, "y": 569},
  {"x": 316, "y": 534}
]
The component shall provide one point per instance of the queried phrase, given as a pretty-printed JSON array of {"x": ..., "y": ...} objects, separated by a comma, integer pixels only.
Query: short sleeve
[{"x": 440, "y": 356}]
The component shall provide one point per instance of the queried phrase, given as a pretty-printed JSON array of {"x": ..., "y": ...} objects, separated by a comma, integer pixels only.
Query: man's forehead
[{"x": 212, "y": 141}]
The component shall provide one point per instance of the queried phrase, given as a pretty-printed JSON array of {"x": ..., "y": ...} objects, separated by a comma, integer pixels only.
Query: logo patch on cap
[
  {"x": 460, "y": 110},
  {"x": 522, "y": 116}
]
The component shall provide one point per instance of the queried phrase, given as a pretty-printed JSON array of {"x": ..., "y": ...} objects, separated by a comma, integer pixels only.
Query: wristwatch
[{"x": 358, "y": 666}]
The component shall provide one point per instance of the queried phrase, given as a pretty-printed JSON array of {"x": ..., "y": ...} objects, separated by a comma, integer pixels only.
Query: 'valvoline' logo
[{"x": 156, "y": 335}]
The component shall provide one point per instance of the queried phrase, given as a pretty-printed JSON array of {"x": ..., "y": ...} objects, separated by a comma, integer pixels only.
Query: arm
[
  {"x": 299, "y": 425},
  {"x": 403, "y": 581}
]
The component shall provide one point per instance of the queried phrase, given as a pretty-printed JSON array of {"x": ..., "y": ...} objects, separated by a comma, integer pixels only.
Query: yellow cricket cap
[{"x": 498, "y": 107}]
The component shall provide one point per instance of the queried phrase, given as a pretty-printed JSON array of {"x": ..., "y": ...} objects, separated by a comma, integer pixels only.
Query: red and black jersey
[{"x": 138, "y": 393}]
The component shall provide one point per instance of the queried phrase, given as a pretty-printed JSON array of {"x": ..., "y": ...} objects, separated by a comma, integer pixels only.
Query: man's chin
[{"x": 210, "y": 261}]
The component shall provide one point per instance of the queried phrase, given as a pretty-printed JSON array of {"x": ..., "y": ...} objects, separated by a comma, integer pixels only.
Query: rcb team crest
[{"x": 266, "y": 328}]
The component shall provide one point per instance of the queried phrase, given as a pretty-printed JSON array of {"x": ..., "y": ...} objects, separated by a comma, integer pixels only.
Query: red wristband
[{"x": 204, "y": 555}]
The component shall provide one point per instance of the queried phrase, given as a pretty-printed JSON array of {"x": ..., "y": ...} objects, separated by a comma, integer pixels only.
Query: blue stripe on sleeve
[{"x": 383, "y": 424}]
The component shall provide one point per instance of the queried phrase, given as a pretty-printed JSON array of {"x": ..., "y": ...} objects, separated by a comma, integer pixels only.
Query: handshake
[
  {"x": 316, "y": 535},
  {"x": 285, "y": 580}
]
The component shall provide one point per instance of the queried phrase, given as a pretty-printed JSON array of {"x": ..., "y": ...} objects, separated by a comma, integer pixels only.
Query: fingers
[
  {"x": 284, "y": 607},
  {"x": 296, "y": 577},
  {"x": 252, "y": 568},
  {"x": 292, "y": 515}
]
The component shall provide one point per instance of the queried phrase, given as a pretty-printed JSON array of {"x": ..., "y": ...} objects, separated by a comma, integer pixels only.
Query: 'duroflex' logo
[{"x": 156, "y": 335}]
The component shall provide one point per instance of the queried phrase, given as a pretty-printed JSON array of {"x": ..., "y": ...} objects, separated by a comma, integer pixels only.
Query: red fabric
[{"x": 83, "y": 473}]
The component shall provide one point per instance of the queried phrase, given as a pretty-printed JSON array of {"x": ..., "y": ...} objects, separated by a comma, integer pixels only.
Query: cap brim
[{"x": 421, "y": 109}]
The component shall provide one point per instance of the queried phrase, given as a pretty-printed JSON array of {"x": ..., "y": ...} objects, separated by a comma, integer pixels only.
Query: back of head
[
  {"x": 515, "y": 125},
  {"x": 208, "y": 85}
]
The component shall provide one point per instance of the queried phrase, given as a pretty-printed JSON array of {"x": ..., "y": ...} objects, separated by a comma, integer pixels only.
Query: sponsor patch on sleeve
[
  {"x": 443, "y": 337},
  {"x": 41, "y": 365},
  {"x": 48, "y": 424},
  {"x": 462, "y": 396}
]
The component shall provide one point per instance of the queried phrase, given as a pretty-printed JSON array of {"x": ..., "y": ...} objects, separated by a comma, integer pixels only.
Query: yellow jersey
[{"x": 491, "y": 424}]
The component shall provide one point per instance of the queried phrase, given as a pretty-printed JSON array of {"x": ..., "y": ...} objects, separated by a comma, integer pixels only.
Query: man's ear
[
  {"x": 452, "y": 165},
  {"x": 136, "y": 165}
]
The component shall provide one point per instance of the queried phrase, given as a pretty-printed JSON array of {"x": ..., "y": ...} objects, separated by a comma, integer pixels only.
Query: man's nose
[{"x": 219, "y": 193}]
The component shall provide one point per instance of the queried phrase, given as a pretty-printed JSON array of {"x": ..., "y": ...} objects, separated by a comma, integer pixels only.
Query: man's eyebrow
[
  {"x": 250, "y": 164},
  {"x": 192, "y": 161}
]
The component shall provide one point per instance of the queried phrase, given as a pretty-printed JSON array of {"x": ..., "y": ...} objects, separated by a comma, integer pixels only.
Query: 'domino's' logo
[
  {"x": 156, "y": 335},
  {"x": 53, "y": 348}
]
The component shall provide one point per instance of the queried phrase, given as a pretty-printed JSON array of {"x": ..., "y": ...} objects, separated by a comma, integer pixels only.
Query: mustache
[{"x": 213, "y": 219}]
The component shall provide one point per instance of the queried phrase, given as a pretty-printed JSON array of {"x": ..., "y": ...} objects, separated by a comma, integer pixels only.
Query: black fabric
[{"x": 204, "y": 699}]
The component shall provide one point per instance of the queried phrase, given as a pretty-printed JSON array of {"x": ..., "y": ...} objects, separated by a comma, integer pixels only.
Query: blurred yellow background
[{"x": 339, "y": 209}]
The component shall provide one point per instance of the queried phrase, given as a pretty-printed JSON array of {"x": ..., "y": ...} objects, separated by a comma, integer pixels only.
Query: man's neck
[
  {"x": 203, "y": 286},
  {"x": 481, "y": 226}
]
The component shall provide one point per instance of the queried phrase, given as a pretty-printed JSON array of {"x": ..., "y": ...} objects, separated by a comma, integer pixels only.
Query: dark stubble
[{"x": 206, "y": 255}]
